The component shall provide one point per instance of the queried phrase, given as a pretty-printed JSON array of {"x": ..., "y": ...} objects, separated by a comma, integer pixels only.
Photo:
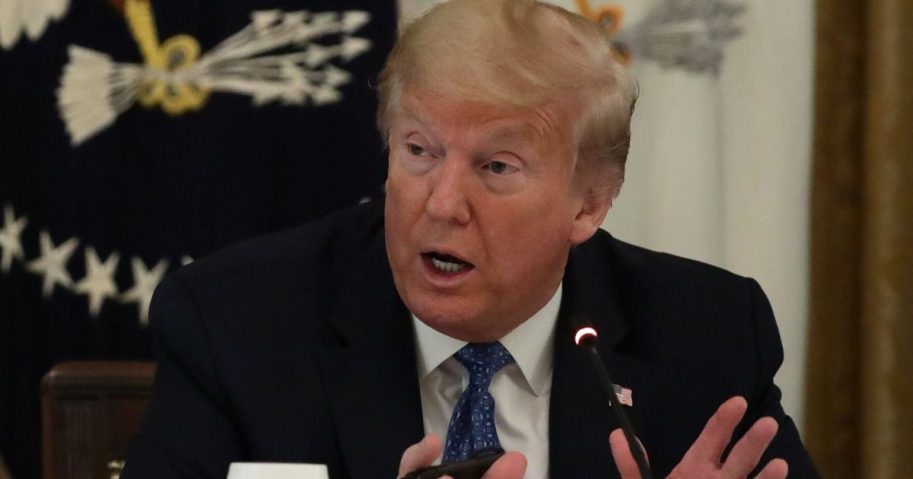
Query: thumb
[
  {"x": 624, "y": 461},
  {"x": 509, "y": 466},
  {"x": 420, "y": 454}
]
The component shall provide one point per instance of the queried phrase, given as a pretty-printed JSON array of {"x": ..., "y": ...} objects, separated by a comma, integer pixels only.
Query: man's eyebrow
[
  {"x": 512, "y": 131},
  {"x": 413, "y": 115}
]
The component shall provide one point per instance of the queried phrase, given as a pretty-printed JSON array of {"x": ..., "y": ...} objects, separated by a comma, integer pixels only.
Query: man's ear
[{"x": 595, "y": 204}]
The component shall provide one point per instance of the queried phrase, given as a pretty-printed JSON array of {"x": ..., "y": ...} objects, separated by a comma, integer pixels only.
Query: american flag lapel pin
[{"x": 624, "y": 395}]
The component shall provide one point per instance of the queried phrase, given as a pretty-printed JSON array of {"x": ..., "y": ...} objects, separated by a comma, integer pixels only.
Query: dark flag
[{"x": 136, "y": 135}]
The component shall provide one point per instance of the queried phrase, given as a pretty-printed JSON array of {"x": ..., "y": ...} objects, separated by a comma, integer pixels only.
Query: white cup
[{"x": 276, "y": 470}]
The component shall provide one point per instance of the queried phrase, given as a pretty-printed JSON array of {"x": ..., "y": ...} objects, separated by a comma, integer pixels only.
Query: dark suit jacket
[{"x": 296, "y": 348}]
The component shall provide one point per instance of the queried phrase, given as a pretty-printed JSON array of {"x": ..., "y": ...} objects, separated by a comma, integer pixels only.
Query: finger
[
  {"x": 624, "y": 461},
  {"x": 509, "y": 466},
  {"x": 747, "y": 451},
  {"x": 717, "y": 432},
  {"x": 420, "y": 454},
  {"x": 776, "y": 469}
]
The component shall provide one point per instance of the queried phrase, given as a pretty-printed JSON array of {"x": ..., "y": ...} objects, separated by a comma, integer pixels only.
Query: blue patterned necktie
[{"x": 472, "y": 425}]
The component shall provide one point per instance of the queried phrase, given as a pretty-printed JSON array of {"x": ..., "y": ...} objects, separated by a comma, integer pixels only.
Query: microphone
[{"x": 586, "y": 338}]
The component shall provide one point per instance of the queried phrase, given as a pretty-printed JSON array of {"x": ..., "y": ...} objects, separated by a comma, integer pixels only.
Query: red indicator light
[{"x": 583, "y": 333}]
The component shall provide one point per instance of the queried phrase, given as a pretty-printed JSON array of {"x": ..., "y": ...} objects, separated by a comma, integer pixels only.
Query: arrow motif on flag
[
  {"x": 29, "y": 17},
  {"x": 273, "y": 59}
]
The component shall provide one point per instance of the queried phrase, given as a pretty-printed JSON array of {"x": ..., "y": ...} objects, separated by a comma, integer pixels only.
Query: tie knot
[{"x": 483, "y": 360}]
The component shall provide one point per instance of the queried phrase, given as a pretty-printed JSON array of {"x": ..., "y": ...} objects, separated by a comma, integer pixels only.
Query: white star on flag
[
  {"x": 144, "y": 283},
  {"x": 98, "y": 283},
  {"x": 9, "y": 238},
  {"x": 53, "y": 263}
]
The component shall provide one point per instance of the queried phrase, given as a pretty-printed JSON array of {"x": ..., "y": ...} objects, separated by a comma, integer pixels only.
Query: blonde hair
[{"x": 519, "y": 53}]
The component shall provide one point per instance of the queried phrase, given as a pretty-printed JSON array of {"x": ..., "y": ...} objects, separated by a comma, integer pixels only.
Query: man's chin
[{"x": 459, "y": 323}]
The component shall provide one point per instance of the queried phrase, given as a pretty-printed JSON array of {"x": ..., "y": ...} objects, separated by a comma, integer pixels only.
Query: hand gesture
[{"x": 703, "y": 457}]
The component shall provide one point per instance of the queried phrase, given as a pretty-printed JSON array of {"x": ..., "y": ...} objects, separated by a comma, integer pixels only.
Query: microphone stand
[{"x": 586, "y": 338}]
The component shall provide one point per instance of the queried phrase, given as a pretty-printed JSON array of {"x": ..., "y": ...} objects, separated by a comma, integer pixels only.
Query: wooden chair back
[{"x": 90, "y": 411}]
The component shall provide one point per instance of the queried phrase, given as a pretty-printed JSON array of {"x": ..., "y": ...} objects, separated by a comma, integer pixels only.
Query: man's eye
[
  {"x": 415, "y": 149},
  {"x": 500, "y": 168}
]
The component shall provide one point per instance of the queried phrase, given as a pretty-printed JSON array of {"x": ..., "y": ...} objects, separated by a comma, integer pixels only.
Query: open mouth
[{"x": 446, "y": 263}]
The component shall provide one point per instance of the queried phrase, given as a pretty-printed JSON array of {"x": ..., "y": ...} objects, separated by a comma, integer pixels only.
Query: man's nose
[{"x": 448, "y": 199}]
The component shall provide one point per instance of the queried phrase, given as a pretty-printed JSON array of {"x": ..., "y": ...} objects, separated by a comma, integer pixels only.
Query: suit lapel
[
  {"x": 371, "y": 381},
  {"x": 580, "y": 420},
  {"x": 372, "y": 384}
]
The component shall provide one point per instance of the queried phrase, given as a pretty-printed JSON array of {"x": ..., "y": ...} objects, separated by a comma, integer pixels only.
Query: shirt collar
[{"x": 531, "y": 344}]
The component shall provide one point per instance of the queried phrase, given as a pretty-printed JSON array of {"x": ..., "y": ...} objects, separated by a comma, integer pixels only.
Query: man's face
[{"x": 482, "y": 208}]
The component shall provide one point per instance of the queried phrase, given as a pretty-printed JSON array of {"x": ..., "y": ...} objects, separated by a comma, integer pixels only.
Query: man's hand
[
  {"x": 703, "y": 458},
  {"x": 510, "y": 466}
]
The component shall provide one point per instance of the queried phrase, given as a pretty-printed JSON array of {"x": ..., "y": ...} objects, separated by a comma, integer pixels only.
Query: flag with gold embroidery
[{"x": 137, "y": 135}]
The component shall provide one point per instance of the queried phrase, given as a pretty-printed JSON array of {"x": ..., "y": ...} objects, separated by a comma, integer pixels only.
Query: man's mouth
[{"x": 446, "y": 263}]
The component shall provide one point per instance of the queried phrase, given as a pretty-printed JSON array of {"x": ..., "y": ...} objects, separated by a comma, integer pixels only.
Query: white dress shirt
[{"x": 521, "y": 390}]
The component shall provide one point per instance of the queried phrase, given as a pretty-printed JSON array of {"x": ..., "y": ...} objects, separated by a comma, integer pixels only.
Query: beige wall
[{"x": 719, "y": 167}]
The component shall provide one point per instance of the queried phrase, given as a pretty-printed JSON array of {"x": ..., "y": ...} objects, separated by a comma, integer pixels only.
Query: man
[{"x": 449, "y": 313}]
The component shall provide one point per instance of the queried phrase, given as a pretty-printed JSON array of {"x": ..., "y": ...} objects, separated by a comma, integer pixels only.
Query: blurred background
[{"x": 772, "y": 138}]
